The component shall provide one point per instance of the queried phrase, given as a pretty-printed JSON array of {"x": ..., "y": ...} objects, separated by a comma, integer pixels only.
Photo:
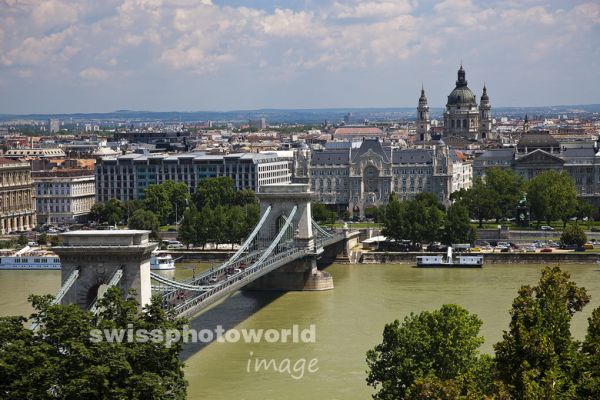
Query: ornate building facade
[
  {"x": 463, "y": 117},
  {"x": 355, "y": 176},
  {"x": 17, "y": 202},
  {"x": 64, "y": 196}
]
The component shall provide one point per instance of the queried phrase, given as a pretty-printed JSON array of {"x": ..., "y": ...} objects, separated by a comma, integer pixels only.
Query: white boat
[
  {"x": 462, "y": 261},
  {"x": 162, "y": 262},
  {"x": 28, "y": 258}
]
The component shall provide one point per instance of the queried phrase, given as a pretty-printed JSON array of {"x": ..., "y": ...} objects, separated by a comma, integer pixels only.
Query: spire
[
  {"x": 423, "y": 98},
  {"x": 484, "y": 96},
  {"x": 461, "y": 76},
  {"x": 526, "y": 118}
]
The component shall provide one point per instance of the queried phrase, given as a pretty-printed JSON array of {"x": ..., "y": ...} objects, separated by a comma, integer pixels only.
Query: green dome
[{"x": 461, "y": 95}]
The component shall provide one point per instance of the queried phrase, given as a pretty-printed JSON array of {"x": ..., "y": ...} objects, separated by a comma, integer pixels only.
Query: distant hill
[{"x": 291, "y": 116}]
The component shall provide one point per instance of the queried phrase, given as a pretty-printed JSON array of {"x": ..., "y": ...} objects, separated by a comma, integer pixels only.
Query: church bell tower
[{"x": 423, "y": 123}]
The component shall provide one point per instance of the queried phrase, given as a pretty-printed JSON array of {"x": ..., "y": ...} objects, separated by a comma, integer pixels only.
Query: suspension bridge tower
[
  {"x": 301, "y": 274},
  {"x": 91, "y": 259}
]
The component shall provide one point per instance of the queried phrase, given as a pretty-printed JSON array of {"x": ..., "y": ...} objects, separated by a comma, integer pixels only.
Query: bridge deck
[{"x": 183, "y": 305}]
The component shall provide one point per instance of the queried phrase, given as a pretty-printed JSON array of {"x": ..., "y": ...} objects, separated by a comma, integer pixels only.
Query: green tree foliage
[
  {"x": 42, "y": 239},
  {"x": 433, "y": 355},
  {"x": 573, "y": 235},
  {"x": 552, "y": 195},
  {"x": 157, "y": 200},
  {"x": 22, "y": 240},
  {"x": 457, "y": 228},
  {"x": 167, "y": 200},
  {"x": 537, "y": 357},
  {"x": 214, "y": 192},
  {"x": 507, "y": 187},
  {"x": 585, "y": 210},
  {"x": 479, "y": 200},
  {"x": 443, "y": 343},
  {"x": 187, "y": 229},
  {"x": 145, "y": 220},
  {"x": 589, "y": 387},
  {"x": 235, "y": 228},
  {"x": 419, "y": 220},
  {"x": 54, "y": 240},
  {"x": 59, "y": 359},
  {"x": 322, "y": 214},
  {"x": 111, "y": 212}
]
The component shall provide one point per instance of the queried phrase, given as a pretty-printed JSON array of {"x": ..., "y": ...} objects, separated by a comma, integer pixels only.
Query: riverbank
[{"x": 492, "y": 258}]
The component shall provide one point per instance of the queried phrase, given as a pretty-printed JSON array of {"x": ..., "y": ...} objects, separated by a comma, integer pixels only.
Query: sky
[{"x": 65, "y": 56}]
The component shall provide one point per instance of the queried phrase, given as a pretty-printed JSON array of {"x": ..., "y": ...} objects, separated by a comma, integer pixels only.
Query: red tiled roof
[
  {"x": 358, "y": 131},
  {"x": 4, "y": 160}
]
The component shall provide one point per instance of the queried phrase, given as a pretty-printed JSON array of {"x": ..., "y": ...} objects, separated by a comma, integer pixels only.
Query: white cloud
[
  {"x": 369, "y": 9},
  {"x": 94, "y": 74},
  {"x": 59, "y": 39}
]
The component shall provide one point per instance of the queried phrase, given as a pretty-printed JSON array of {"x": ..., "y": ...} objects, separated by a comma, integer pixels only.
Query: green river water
[{"x": 348, "y": 321}]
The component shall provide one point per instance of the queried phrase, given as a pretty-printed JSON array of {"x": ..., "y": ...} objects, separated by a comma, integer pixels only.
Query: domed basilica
[{"x": 462, "y": 118}]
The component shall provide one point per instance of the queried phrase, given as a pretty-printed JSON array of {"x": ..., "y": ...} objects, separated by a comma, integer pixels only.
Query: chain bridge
[{"x": 280, "y": 253}]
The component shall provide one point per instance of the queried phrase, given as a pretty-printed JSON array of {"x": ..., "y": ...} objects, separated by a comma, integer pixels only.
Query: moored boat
[
  {"x": 28, "y": 258},
  {"x": 439, "y": 261},
  {"x": 161, "y": 261}
]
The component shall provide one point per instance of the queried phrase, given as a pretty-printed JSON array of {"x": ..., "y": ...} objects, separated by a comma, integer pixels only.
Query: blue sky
[{"x": 188, "y": 55}]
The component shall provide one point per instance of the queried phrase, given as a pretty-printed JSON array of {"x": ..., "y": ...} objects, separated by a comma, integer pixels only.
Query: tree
[
  {"x": 157, "y": 200},
  {"x": 507, "y": 187},
  {"x": 213, "y": 192},
  {"x": 424, "y": 219},
  {"x": 479, "y": 200},
  {"x": 443, "y": 343},
  {"x": 203, "y": 222},
  {"x": 22, "y": 240},
  {"x": 187, "y": 229},
  {"x": 42, "y": 239},
  {"x": 252, "y": 217},
  {"x": 537, "y": 357},
  {"x": 216, "y": 225},
  {"x": 394, "y": 222},
  {"x": 113, "y": 212},
  {"x": 552, "y": 195},
  {"x": 145, "y": 220},
  {"x": 589, "y": 387},
  {"x": 245, "y": 197},
  {"x": 573, "y": 235},
  {"x": 458, "y": 227},
  {"x": 584, "y": 211},
  {"x": 96, "y": 213},
  {"x": 54, "y": 240},
  {"x": 235, "y": 229},
  {"x": 179, "y": 197},
  {"x": 322, "y": 214},
  {"x": 63, "y": 362}
]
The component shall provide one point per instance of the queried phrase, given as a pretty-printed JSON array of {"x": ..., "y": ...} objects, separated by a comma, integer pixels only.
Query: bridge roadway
[{"x": 187, "y": 302}]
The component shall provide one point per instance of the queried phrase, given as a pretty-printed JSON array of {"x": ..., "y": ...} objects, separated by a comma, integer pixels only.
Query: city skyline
[{"x": 60, "y": 56}]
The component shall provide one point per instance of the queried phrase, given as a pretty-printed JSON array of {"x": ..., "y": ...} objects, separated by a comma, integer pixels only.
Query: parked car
[
  {"x": 546, "y": 250},
  {"x": 546, "y": 228},
  {"x": 436, "y": 246}
]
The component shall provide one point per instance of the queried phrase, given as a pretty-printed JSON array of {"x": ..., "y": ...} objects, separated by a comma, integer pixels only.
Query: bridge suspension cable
[
  {"x": 113, "y": 282},
  {"x": 249, "y": 240},
  {"x": 175, "y": 284},
  {"x": 61, "y": 293},
  {"x": 255, "y": 269},
  {"x": 320, "y": 229}
]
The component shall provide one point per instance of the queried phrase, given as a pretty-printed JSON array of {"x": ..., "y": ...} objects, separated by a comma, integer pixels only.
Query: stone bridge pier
[
  {"x": 303, "y": 273},
  {"x": 98, "y": 255}
]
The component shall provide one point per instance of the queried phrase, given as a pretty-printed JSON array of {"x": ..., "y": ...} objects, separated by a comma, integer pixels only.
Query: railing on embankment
[{"x": 491, "y": 258}]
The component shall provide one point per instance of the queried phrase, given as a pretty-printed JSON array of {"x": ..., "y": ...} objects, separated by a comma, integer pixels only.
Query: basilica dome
[{"x": 461, "y": 93}]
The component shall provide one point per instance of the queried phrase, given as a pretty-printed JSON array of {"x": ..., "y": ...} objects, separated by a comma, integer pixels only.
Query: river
[{"x": 348, "y": 321}]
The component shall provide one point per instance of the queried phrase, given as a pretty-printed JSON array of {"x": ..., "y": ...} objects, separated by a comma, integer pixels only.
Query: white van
[{"x": 174, "y": 244}]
